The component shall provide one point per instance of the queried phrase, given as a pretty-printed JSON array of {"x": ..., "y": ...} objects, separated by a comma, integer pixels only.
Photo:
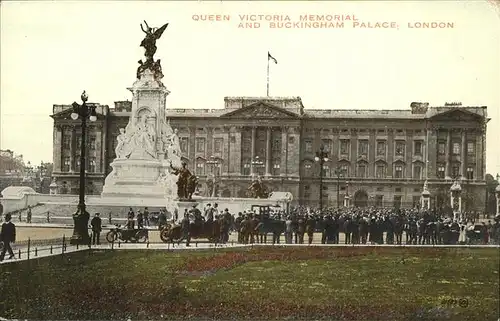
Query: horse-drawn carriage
[{"x": 173, "y": 233}]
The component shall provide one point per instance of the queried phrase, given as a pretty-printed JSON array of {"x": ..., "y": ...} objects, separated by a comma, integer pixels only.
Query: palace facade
[{"x": 375, "y": 157}]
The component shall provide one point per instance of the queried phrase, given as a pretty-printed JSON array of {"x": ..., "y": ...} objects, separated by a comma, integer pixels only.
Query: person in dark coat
[
  {"x": 185, "y": 229},
  {"x": 237, "y": 226},
  {"x": 301, "y": 228},
  {"x": 140, "y": 220},
  {"x": 96, "y": 224},
  {"x": 28, "y": 215},
  {"x": 310, "y": 226},
  {"x": 7, "y": 236},
  {"x": 162, "y": 219},
  {"x": 146, "y": 216},
  {"x": 131, "y": 213}
]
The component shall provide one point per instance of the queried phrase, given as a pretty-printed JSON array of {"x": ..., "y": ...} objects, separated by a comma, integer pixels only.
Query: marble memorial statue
[
  {"x": 144, "y": 138},
  {"x": 148, "y": 153},
  {"x": 122, "y": 149}
]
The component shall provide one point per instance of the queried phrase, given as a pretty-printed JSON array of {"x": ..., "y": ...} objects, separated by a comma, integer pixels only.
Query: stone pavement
[{"x": 154, "y": 235}]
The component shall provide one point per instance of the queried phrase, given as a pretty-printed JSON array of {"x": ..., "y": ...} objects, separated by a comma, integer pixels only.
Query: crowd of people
[
  {"x": 368, "y": 225},
  {"x": 302, "y": 224}
]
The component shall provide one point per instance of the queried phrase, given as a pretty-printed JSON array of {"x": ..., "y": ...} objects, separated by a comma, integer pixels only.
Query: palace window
[
  {"x": 362, "y": 148},
  {"x": 307, "y": 170},
  {"x": 417, "y": 148},
  {"x": 417, "y": 172},
  {"x": 344, "y": 169},
  {"x": 470, "y": 148},
  {"x": 455, "y": 170},
  {"x": 361, "y": 170},
  {"x": 218, "y": 145},
  {"x": 78, "y": 144},
  {"x": 441, "y": 148},
  {"x": 326, "y": 170},
  {"x": 66, "y": 164},
  {"x": 246, "y": 167},
  {"x": 92, "y": 165},
  {"x": 381, "y": 148},
  {"x": 398, "y": 171},
  {"x": 92, "y": 142},
  {"x": 456, "y": 148},
  {"x": 184, "y": 142},
  {"x": 276, "y": 167},
  {"x": 200, "y": 145},
  {"x": 380, "y": 171},
  {"x": 400, "y": 148},
  {"x": 308, "y": 146},
  {"x": 327, "y": 143},
  {"x": 77, "y": 165},
  {"x": 440, "y": 171},
  {"x": 397, "y": 201},
  {"x": 276, "y": 145},
  {"x": 66, "y": 141},
  {"x": 246, "y": 145},
  {"x": 470, "y": 172},
  {"x": 344, "y": 147},
  {"x": 416, "y": 201},
  {"x": 379, "y": 200},
  {"x": 200, "y": 167}
]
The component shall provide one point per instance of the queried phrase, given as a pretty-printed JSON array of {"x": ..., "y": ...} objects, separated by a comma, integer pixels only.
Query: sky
[{"x": 52, "y": 51}]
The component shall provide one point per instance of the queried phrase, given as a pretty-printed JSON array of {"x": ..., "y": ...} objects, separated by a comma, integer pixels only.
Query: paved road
[{"x": 43, "y": 231}]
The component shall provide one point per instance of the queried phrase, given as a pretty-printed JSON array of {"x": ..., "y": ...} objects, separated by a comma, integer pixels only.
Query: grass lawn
[{"x": 261, "y": 283}]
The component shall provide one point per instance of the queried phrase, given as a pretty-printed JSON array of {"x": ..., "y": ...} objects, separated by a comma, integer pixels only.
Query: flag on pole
[{"x": 271, "y": 57}]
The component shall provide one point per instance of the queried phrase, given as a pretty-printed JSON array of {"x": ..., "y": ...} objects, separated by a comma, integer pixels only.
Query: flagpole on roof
[{"x": 268, "y": 74}]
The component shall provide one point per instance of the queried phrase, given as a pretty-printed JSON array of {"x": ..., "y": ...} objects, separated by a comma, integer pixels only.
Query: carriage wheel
[
  {"x": 141, "y": 237},
  {"x": 111, "y": 236},
  {"x": 164, "y": 235}
]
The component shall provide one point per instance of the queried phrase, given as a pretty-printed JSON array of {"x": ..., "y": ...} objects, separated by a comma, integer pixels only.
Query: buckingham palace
[{"x": 373, "y": 157}]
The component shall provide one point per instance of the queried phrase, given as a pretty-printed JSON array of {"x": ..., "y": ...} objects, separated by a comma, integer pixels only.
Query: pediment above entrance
[
  {"x": 457, "y": 114},
  {"x": 260, "y": 110}
]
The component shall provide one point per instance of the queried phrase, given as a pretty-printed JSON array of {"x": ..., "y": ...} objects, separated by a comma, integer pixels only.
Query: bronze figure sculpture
[{"x": 149, "y": 44}]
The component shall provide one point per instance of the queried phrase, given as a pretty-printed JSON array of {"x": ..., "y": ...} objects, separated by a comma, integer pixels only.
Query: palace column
[
  {"x": 253, "y": 151},
  {"x": 98, "y": 148},
  {"x": 284, "y": 151},
  {"x": 72, "y": 150},
  {"x": 59, "y": 150},
  {"x": 226, "y": 149},
  {"x": 268, "y": 152},
  {"x": 447, "y": 173},
  {"x": 463, "y": 158}
]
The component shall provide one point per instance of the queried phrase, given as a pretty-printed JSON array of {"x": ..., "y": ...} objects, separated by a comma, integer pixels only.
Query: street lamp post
[
  {"x": 338, "y": 172},
  {"x": 215, "y": 167},
  {"x": 81, "y": 217},
  {"x": 497, "y": 196},
  {"x": 321, "y": 158}
]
